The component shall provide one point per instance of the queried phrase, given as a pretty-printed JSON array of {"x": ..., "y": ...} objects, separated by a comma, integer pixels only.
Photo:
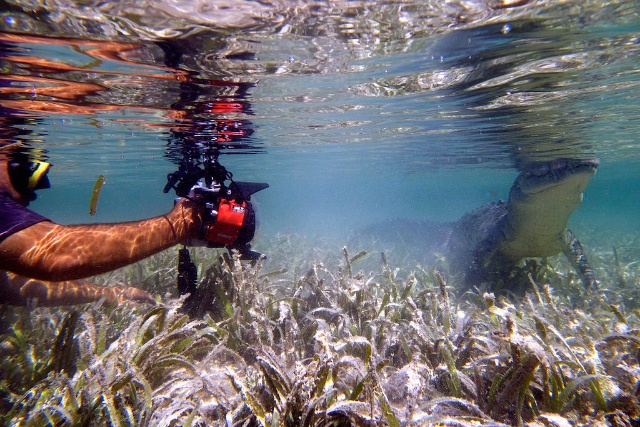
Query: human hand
[
  {"x": 187, "y": 216},
  {"x": 129, "y": 293}
]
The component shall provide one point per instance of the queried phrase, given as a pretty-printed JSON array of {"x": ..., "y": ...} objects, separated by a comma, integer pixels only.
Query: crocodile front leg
[{"x": 577, "y": 257}]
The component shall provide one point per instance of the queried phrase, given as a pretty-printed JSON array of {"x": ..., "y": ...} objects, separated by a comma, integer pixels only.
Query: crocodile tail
[{"x": 575, "y": 254}]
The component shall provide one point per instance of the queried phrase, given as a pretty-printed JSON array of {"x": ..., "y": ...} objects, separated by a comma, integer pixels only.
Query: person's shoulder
[
  {"x": 15, "y": 217},
  {"x": 6, "y": 201}
]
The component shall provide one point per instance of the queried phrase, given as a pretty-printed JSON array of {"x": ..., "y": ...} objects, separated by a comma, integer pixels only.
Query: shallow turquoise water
[{"x": 348, "y": 127}]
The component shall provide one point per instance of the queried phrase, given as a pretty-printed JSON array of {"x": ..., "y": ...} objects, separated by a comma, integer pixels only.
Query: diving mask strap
[
  {"x": 36, "y": 180},
  {"x": 26, "y": 177}
]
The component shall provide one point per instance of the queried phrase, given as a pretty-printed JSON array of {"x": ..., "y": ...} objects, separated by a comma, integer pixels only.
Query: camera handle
[{"x": 187, "y": 273}]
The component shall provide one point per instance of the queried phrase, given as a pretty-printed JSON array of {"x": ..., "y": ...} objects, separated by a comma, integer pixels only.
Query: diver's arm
[
  {"x": 19, "y": 290},
  {"x": 53, "y": 252}
]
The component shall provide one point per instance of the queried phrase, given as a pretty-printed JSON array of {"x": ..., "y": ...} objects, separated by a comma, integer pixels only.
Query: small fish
[
  {"x": 96, "y": 192},
  {"x": 358, "y": 256}
]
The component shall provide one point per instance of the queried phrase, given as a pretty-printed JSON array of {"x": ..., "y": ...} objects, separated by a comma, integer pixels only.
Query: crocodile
[{"x": 487, "y": 243}]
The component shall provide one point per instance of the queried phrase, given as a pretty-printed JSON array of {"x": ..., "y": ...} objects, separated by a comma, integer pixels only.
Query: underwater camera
[{"x": 229, "y": 219}]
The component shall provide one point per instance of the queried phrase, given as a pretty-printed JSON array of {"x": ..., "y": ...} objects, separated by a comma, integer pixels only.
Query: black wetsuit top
[{"x": 15, "y": 217}]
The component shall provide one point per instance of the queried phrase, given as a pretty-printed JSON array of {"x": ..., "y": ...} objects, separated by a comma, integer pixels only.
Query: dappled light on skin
[
  {"x": 20, "y": 290},
  {"x": 79, "y": 247},
  {"x": 49, "y": 251}
]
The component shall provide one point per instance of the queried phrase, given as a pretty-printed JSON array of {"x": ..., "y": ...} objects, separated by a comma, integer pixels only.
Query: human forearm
[
  {"x": 73, "y": 252},
  {"x": 49, "y": 251},
  {"x": 18, "y": 290}
]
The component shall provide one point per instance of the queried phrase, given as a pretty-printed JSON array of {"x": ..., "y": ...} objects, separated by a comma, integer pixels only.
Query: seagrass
[{"x": 318, "y": 335}]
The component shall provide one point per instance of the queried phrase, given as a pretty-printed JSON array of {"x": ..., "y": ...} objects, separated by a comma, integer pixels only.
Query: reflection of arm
[
  {"x": 49, "y": 251},
  {"x": 18, "y": 290}
]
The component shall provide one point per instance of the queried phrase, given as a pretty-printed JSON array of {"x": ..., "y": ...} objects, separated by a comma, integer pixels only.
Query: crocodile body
[{"x": 487, "y": 243}]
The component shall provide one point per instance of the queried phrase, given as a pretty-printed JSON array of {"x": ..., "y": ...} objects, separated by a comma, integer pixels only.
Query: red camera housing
[{"x": 229, "y": 222}]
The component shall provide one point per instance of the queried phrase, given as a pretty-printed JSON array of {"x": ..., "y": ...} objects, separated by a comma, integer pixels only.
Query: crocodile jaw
[{"x": 540, "y": 204}]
